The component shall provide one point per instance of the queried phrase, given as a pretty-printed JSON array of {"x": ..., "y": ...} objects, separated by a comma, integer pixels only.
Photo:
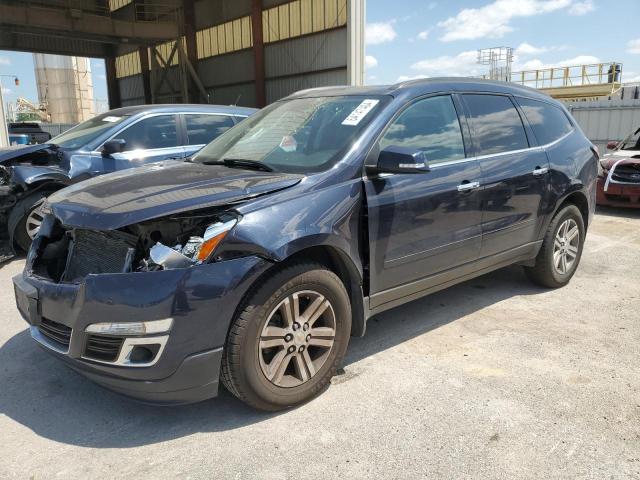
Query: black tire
[
  {"x": 242, "y": 372},
  {"x": 544, "y": 272},
  {"x": 19, "y": 215}
]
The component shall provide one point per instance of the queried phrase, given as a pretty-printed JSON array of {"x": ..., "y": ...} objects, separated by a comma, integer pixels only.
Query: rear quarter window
[
  {"x": 496, "y": 124},
  {"x": 548, "y": 122}
]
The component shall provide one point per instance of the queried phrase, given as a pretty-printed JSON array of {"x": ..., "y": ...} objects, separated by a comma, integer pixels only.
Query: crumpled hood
[
  {"x": 625, "y": 157},
  {"x": 159, "y": 189},
  {"x": 11, "y": 153}
]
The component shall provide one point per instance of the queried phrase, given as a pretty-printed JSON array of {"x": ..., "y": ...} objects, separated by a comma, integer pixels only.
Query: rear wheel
[
  {"x": 288, "y": 340},
  {"x": 561, "y": 249},
  {"x": 26, "y": 218}
]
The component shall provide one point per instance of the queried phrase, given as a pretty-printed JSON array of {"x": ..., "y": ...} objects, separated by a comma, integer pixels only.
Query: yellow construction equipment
[{"x": 575, "y": 82}]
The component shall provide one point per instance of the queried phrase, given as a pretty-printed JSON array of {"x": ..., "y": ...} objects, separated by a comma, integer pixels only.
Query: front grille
[
  {"x": 99, "y": 252},
  {"x": 57, "y": 333},
  {"x": 103, "y": 348},
  {"x": 627, "y": 173}
]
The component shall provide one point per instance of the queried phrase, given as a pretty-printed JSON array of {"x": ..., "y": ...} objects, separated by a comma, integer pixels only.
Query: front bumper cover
[
  {"x": 202, "y": 301},
  {"x": 618, "y": 194}
]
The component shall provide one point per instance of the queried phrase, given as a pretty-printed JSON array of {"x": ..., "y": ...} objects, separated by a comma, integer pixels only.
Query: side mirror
[
  {"x": 612, "y": 145},
  {"x": 114, "y": 146},
  {"x": 402, "y": 160}
]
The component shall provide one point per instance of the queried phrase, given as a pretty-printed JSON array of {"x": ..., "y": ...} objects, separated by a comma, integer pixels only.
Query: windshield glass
[
  {"x": 632, "y": 142},
  {"x": 301, "y": 135},
  {"x": 82, "y": 134}
]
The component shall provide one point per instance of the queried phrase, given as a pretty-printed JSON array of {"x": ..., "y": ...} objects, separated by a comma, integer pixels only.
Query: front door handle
[
  {"x": 466, "y": 186},
  {"x": 539, "y": 171}
]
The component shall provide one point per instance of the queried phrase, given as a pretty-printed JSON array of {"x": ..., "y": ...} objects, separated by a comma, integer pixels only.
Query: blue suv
[
  {"x": 253, "y": 263},
  {"x": 122, "y": 138}
]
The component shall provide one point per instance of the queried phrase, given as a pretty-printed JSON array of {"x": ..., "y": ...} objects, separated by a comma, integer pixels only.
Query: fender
[
  {"x": 311, "y": 219},
  {"x": 311, "y": 222},
  {"x": 25, "y": 175}
]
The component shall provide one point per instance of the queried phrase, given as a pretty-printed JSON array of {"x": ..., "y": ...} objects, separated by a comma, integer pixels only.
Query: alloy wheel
[
  {"x": 297, "y": 338},
  {"x": 33, "y": 223},
  {"x": 566, "y": 246}
]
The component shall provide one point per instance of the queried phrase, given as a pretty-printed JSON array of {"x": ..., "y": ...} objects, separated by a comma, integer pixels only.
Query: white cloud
[
  {"x": 5, "y": 61},
  {"x": 377, "y": 33},
  {"x": 633, "y": 46},
  {"x": 6, "y": 91},
  {"x": 461, "y": 65},
  {"x": 631, "y": 77},
  {"x": 492, "y": 20},
  {"x": 370, "y": 61},
  {"x": 405, "y": 78},
  {"x": 582, "y": 8},
  {"x": 423, "y": 35},
  {"x": 537, "y": 64},
  {"x": 525, "y": 49},
  {"x": 101, "y": 76}
]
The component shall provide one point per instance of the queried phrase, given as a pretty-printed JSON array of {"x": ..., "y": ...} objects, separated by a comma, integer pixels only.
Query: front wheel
[
  {"x": 561, "y": 249},
  {"x": 288, "y": 340},
  {"x": 25, "y": 219}
]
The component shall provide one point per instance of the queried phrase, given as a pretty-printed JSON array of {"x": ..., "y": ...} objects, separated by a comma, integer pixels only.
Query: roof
[
  {"x": 425, "y": 86},
  {"x": 181, "y": 107}
]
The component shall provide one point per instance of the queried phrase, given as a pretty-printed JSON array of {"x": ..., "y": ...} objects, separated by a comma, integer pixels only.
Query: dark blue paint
[{"x": 398, "y": 237}]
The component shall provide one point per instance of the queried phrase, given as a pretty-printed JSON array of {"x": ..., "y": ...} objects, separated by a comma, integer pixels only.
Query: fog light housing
[{"x": 131, "y": 328}]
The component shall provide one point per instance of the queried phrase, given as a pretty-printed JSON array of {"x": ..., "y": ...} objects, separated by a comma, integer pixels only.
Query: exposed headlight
[
  {"x": 213, "y": 236},
  {"x": 197, "y": 250},
  {"x": 132, "y": 328}
]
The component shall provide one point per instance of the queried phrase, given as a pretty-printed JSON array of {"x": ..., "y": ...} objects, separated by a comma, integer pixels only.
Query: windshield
[
  {"x": 301, "y": 135},
  {"x": 82, "y": 134},
  {"x": 632, "y": 142}
]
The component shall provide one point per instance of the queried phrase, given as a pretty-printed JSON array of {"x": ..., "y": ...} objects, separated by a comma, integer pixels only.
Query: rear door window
[
  {"x": 496, "y": 124},
  {"x": 159, "y": 131},
  {"x": 202, "y": 128},
  {"x": 430, "y": 125},
  {"x": 548, "y": 122}
]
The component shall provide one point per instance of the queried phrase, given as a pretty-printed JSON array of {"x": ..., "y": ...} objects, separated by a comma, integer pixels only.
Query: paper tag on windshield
[
  {"x": 360, "y": 112},
  {"x": 111, "y": 119}
]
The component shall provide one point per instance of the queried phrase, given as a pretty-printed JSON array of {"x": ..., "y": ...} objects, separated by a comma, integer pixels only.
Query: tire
[
  {"x": 261, "y": 335},
  {"x": 20, "y": 219},
  {"x": 549, "y": 270}
]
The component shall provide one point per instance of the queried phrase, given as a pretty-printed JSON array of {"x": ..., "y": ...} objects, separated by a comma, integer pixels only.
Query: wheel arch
[
  {"x": 339, "y": 263},
  {"x": 580, "y": 200}
]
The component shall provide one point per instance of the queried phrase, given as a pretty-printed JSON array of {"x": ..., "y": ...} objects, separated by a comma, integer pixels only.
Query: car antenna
[{"x": 237, "y": 99}]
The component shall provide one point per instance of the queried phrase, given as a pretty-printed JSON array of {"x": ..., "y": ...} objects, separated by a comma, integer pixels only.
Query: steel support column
[
  {"x": 258, "y": 52},
  {"x": 192, "y": 49},
  {"x": 146, "y": 74},
  {"x": 113, "y": 88}
]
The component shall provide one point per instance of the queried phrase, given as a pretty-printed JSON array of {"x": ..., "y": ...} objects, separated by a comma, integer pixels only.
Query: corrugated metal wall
[
  {"x": 131, "y": 90},
  {"x": 607, "y": 120},
  {"x": 306, "y": 61}
]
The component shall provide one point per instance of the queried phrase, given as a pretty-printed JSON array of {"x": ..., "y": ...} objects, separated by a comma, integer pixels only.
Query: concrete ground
[{"x": 494, "y": 378}]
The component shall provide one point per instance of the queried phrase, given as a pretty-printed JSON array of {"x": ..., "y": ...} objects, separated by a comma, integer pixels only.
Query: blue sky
[
  {"x": 412, "y": 38},
  {"x": 21, "y": 65}
]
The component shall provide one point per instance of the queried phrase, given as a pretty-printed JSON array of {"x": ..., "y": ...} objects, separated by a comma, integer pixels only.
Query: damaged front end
[
  {"x": 619, "y": 181},
  {"x": 143, "y": 309},
  {"x": 23, "y": 173},
  {"x": 68, "y": 255}
]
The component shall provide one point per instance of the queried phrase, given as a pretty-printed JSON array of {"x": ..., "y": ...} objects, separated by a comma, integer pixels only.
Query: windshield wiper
[{"x": 240, "y": 163}]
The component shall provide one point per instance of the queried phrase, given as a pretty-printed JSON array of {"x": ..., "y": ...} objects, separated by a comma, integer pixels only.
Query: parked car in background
[
  {"x": 32, "y": 130},
  {"x": 255, "y": 261},
  {"x": 117, "y": 140},
  {"x": 619, "y": 175}
]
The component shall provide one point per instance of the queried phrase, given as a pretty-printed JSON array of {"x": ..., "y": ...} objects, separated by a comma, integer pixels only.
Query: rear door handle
[
  {"x": 466, "y": 186},
  {"x": 538, "y": 171}
]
